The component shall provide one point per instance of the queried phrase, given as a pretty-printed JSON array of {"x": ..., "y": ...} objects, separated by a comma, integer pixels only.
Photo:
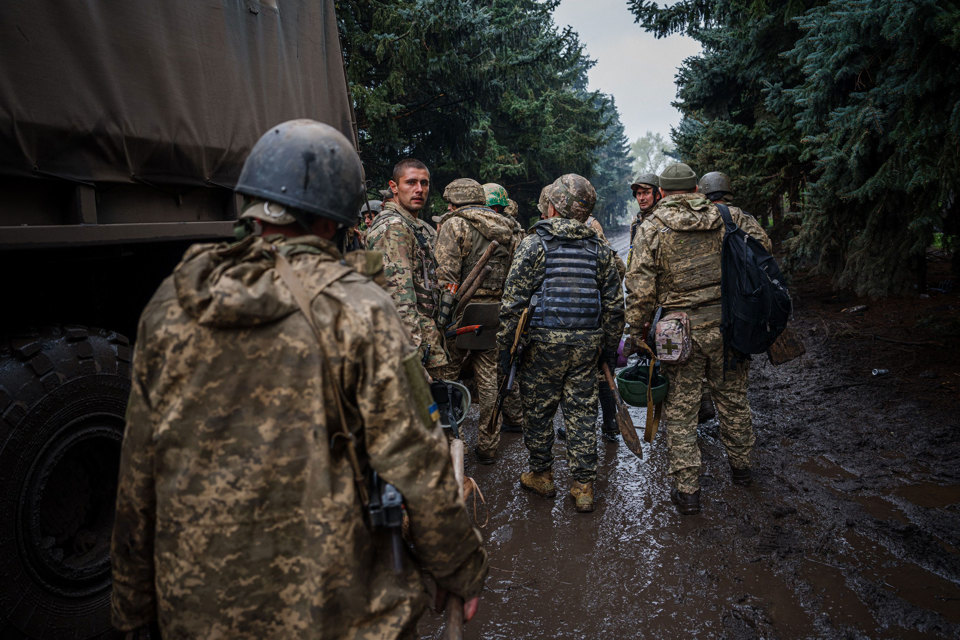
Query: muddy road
[{"x": 850, "y": 530}]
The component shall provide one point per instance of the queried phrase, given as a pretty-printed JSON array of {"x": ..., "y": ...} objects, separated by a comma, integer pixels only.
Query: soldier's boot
[
  {"x": 742, "y": 476},
  {"x": 540, "y": 482},
  {"x": 706, "y": 412},
  {"x": 484, "y": 456},
  {"x": 688, "y": 504},
  {"x": 608, "y": 409},
  {"x": 561, "y": 433},
  {"x": 582, "y": 494}
]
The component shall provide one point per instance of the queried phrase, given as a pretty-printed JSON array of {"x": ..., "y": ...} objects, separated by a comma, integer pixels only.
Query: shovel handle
[{"x": 609, "y": 377}]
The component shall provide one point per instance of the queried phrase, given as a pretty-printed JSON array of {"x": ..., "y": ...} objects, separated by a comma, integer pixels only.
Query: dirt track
[{"x": 851, "y": 529}]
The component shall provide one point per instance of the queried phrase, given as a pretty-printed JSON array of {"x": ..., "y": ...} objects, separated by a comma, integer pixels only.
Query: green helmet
[
  {"x": 649, "y": 179},
  {"x": 632, "y": 384},
  {"x": 496, "y": 195},
  {"x": 678, "y": 177},
  {"x": 715, "y": 182},
  {"x": 572, "y": 195},
  {"x": 464, "y": 191}
]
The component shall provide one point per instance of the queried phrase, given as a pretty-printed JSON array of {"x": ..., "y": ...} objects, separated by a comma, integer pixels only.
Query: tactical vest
[
  {"x": 569, "y": 297},
  {"x": 426, "y": 291},
  {"x": 690, "y": 261},
  {"x": 499, "y": 264}
]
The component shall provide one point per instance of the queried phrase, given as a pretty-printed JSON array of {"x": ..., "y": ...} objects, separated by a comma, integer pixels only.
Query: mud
[{"x": 850, "y": 530}]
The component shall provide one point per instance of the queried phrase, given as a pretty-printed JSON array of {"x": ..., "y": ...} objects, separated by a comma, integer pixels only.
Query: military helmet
[
  {"x": 678, "y": 177},
  {"x": 375, "y": 206},
  {"x": 632, "y": 385},
  {"x": 303, "y": 169},
  {"x": 715, "y": 182},
  {"x": 464, "y": 191},
  {"x": 511, "y": 209},
  {"x": 649, "y": 179},
  {"x": 573, "y": 196},
  {"x": 496, "y": 195}
]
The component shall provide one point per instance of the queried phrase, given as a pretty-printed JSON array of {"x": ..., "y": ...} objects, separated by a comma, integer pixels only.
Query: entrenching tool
[{"x": 624, "y": 421}]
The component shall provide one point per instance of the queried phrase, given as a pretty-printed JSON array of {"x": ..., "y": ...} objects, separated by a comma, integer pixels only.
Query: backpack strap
[{"x": 727, "y": 218}]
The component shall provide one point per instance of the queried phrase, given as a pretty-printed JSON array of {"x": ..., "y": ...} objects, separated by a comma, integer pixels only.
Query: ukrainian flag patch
[{"x": 434, "y": 412}]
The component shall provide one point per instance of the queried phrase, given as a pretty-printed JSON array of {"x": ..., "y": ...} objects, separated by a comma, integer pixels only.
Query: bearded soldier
[
  {"x": 568, "y": 279},
  {"x": 270, "y": 380},
  {"x": 676, "y": 265},
  {"x": 466, "y": 232},
  {"x": 409, "y": 265}
]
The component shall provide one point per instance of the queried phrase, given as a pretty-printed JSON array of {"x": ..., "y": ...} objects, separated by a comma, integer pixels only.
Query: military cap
[
  {"x": 573, "y": 196},
  {"x": 371, "y": 205},
  {"x": 464, "y": 191},
  {"x": 649, "y": 179},
  {"x": 678, "y": 177},
  {"x": 269, "y": 212},
  {"x": 542, "y": 204}
]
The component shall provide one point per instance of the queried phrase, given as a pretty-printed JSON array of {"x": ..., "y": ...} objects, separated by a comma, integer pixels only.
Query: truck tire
[{"x": 63, "y": 394}]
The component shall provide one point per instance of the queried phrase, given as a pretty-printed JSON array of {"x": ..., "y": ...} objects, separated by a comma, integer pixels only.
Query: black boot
[
  {"x": 688, "y": 504},
  {"x": 608, "y": 409},
  {"x": 706, "y": 412}
]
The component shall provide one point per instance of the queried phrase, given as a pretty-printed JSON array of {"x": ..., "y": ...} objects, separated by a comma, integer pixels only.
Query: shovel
[{"x": 624, "y": 422}]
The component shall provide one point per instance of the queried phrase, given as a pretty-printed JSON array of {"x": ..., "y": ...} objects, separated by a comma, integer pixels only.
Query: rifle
[
  {"x": 516, "y": 351},
  {"x": 450, "y": 302},
  {"x": 386, "y": 512}
]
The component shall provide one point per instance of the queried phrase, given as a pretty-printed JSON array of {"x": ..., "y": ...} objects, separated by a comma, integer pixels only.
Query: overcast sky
[{"x": 631, "y": 64}]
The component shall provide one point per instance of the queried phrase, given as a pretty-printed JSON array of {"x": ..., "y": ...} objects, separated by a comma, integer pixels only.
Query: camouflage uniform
[
  {"x": 560, "y": 363},
  {"x": 676, "y": 265},
  {"x": 464, "y": 236},
  {"x": 407, "y": 244},
  {"x": 237, "y": 512}
]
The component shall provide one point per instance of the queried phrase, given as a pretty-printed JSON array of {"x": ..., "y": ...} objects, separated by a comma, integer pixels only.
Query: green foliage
[
  {"x": 848, "y": 109},
  {"x": 491, "y": 90},
  {"x": 651, "y": 153}
]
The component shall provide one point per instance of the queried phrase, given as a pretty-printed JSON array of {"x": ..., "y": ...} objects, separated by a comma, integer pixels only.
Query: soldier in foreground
[
  {"x": 467, "y": 231},
  {"x": 577, "y": 318},
  {"x": 246, "y": 466},
  {"x": 407, "y": 244},
  {"x": 676, "y": 265}
]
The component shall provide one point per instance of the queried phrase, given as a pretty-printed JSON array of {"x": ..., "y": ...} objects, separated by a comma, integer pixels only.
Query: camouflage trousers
[
  {"x": 683, "y": 401},
  {"x": 484, "y": 364},
  {"x": 548, "y": 374}
]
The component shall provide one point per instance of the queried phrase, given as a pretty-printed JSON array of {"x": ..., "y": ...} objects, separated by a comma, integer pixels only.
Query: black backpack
[{"x": 755, "y": 305}]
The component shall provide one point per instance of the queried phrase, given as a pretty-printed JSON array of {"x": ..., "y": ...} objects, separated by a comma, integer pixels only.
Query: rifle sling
[{"x": 303, "y": 301}]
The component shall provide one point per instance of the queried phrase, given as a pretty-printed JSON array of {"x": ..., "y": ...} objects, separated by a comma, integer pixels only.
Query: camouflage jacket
[
  {"x": 407, "y": 244},
  {"x": 237, "y": 513},
  {"x": 527, "y": 274},
  {"x": 464, "y": 235},
  {"x": 676, "y": 259}
]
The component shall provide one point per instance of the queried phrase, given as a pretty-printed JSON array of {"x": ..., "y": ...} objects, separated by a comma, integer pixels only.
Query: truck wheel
[{"x": 63, "y": 393}]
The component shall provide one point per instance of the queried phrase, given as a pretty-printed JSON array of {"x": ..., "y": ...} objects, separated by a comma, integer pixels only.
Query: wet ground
[{"x": 850, "y": 530}]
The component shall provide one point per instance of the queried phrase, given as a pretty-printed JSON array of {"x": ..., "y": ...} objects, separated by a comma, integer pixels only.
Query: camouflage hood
[
  {"x": 235, "y": 285},
  {"x": 490, "y": 224},
  {"x": 567, "y": 228},
  {"x": 687, "y": 212}
]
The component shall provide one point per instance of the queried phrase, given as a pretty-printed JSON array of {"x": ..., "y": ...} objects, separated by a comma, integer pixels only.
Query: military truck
[{"x": 123, "y": 128}]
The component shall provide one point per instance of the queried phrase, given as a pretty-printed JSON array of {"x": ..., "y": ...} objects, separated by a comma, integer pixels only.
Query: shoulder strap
[
  {"x": 303, "y": 301},
  {"x": 727, "y": 218}
]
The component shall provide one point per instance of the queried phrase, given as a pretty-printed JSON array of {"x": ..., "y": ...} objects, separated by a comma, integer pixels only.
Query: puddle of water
[
  {"x": 826, "y": 468},
  {"x": 879, "y": 508},
  {"x": 930, "y": 495}
]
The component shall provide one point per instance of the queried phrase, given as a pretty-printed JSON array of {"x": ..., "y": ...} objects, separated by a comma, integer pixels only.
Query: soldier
[
  {"x": 240, "y": 512},
  {"x": 466, "y": 233},
  {"x": 716, "y": 187},
  {"x": 577, "y": 316},
  {"x": 646, "y": 189},
  {"x": 407, "y": 245},
  {"x": 512, "y": 209},
  {"x": 676, "y": 265}
]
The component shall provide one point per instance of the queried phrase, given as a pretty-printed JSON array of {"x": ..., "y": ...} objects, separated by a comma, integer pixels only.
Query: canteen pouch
[{"x": 672, "y": 338}]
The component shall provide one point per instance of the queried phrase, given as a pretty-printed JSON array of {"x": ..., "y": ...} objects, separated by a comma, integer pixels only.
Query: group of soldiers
[{"x": 277, "y": 380}]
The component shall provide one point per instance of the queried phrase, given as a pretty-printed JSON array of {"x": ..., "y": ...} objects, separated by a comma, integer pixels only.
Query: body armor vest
[
  {"x": 569, "y": 297},
  {"x": 691, "y": 262},
  {"x": 499, "y": 264}
]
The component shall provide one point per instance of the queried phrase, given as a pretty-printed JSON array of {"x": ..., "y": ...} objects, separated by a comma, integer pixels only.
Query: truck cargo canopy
[{"x": 167, "y": 93}]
